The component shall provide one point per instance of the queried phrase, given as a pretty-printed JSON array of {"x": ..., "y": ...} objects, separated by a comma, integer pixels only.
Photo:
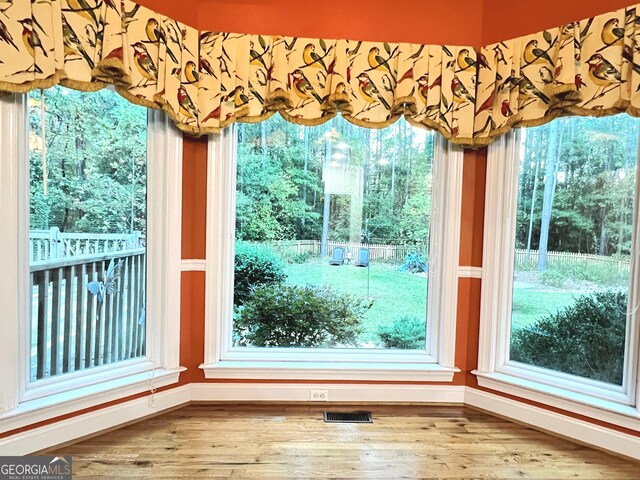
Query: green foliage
[
  {"x": 414, "y": 218},
  {"x": 603, "y": 274},
  {"x": 404, "y": 333},
  {"x": 584, "y": 339},
  {"x": 595, "y": 169},
  {"x": 284, "y": 178},
  {"x": 414, "y": 263},
  {"x": 96, "y": 147},
  {"x": 255, "y": 265},
  {"x": 554, "y": 277},
  {"x": 290, "y": 316},
  {"x": 301, "y": 257}
]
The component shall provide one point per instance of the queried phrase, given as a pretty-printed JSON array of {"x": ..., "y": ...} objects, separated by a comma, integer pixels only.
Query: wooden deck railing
[
  {"x": 71, "y": 329},
  {"x": 52, "y": 244}
]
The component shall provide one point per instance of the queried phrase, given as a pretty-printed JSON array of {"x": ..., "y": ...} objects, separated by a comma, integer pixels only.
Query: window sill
[
  {"x": 37, "y": 410},
  {"x": 581, "y": 404},
  {"x": 264, "y": 370}
]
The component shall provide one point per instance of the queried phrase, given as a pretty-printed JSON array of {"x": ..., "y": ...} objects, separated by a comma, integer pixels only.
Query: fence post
[
  {"x": 54, "y": 243},
  {"x": 135, "y": 239}
]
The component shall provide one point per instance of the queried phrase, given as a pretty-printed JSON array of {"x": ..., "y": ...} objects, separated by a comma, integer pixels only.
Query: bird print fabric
[
  {"x": 206, "y": 81},
  {"x": 590, "y": 67}
]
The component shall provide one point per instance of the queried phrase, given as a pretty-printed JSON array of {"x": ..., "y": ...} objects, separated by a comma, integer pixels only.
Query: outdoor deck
[{"x": 73, "y": 328}]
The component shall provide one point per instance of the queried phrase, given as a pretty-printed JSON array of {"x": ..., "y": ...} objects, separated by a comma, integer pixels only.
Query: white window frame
[
  {"x": 22, "y": 402},
  {"x": 615, "y": 404},
  {"x": 436, "y": 363}
]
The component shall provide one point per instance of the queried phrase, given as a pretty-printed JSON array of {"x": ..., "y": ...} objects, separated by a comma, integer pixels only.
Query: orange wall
[
  {"x": 437, "y": 22},
  {"x": 506, "y": 19}
]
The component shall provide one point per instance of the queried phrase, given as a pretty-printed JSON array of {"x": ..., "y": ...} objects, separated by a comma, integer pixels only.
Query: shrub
[
  {"x": 605, "y": 274},
  {"x": 414, "y": 263},
  {"x": 290, "y": 256},
  {"x": 291, "y": 316},
  {"x": 255, "y": 265},
  {"x": 405, "y": 333},
  {"x": 554, "y": 277},
  {"x": 585, "y": 339}
]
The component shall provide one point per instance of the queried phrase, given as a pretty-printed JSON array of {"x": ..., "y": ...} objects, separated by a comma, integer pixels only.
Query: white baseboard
[
  {"x": 337, "y": 393},
  {"x": 64, "y": 431},
  {"x": 539, "y": 418},
  {"x": 74, "y": 428}
]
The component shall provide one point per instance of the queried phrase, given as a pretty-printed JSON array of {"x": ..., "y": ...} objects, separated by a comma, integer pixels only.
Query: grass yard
[
  {"x": 394, "y": 294},
  {"x": 530, "y": 305}
]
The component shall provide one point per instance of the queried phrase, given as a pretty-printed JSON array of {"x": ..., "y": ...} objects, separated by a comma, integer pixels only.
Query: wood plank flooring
[{"x": 293, "y": 442}]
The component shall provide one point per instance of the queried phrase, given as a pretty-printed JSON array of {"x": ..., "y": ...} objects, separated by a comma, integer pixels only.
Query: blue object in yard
[
  {"x": 338, "y": 256},
  {"x": 363, "y": 258}
]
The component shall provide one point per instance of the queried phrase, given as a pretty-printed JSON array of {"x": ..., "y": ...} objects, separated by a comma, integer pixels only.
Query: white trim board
[
  {"x": 64, "y": 403},
  {"x": 193, "y": 265},
  {"x": 469, "y": 272},
  {"x": 91, "y": 423},
  {"x": 548, "y": 421},
  {"x": 337, "y": 393}
]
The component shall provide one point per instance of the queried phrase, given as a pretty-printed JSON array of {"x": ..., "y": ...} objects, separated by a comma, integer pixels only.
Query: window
[
  {"x": 329, "y": 247},
  {"x": 561, "y": 288},
  {"x": 92, "y": 257},
  {"x": 87, "y": 230},
  {"x": 332, "y": 230}
]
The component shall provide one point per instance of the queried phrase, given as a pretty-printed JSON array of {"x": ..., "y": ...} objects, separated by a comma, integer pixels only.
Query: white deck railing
[
  {"x": 52, "y": 244},
  {"x": 71, "y": 329}
]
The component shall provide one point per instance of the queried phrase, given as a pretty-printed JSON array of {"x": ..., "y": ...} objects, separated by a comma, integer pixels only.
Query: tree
[
  {"x": 95, "y": 149},
  {"x": 550, "y": 178}
]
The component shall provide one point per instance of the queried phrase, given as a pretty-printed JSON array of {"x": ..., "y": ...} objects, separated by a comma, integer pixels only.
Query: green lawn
[
  {"x": 529, "y": 304},
  {"x": 394, "y": 294}
]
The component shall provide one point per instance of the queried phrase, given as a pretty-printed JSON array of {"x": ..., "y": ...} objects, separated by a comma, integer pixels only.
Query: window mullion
[{"x": 14, "y": 217}]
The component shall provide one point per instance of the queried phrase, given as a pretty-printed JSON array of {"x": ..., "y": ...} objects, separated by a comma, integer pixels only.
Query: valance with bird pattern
[
  {"x": 590, "y": 67},
  {"x": 206, "y": 81}
]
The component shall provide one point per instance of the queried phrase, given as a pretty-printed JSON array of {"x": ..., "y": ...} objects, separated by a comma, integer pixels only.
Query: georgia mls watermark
[{"x": 43, "y": 467}]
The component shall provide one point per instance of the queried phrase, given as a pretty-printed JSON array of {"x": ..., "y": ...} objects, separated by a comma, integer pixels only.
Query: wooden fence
[
  {"x": 568, "y": 259},
  {"x": 71, "y": 329},
  {"x": 52, "y": 244},
  {"x": 377, "y": 252}
]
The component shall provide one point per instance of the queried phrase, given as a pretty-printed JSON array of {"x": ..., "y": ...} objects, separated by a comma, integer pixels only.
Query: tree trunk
[
  {"x": 549, "y": 190},
  {"x": 604, "y": 238},
  {"x": 305, "y": 133},
  {"x": 409, "y": 159},
  {"x": 326, "y": 211},
  {"x": 533, "y": 201}
]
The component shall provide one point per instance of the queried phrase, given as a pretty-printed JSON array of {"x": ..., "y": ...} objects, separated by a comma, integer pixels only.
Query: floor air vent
[{"x": 348, "y": 417}]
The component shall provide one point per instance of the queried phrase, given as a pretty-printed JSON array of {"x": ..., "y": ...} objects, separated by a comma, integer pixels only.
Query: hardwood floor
[{"x": 293, "y": 442}]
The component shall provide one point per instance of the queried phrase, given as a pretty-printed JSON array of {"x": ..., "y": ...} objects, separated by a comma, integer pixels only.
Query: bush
[
  {"x": 554, "y": 277},
  {"x": 290, "y": 256},
  {"x": 605, "y": 274},
  {"x": 255, "y": 265},
  {"x": 585, "y": 339},
  {"x": 405, "y": 332},
  {"x": 291, "y": 316},
  {"x": 414, "y": 263}
]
